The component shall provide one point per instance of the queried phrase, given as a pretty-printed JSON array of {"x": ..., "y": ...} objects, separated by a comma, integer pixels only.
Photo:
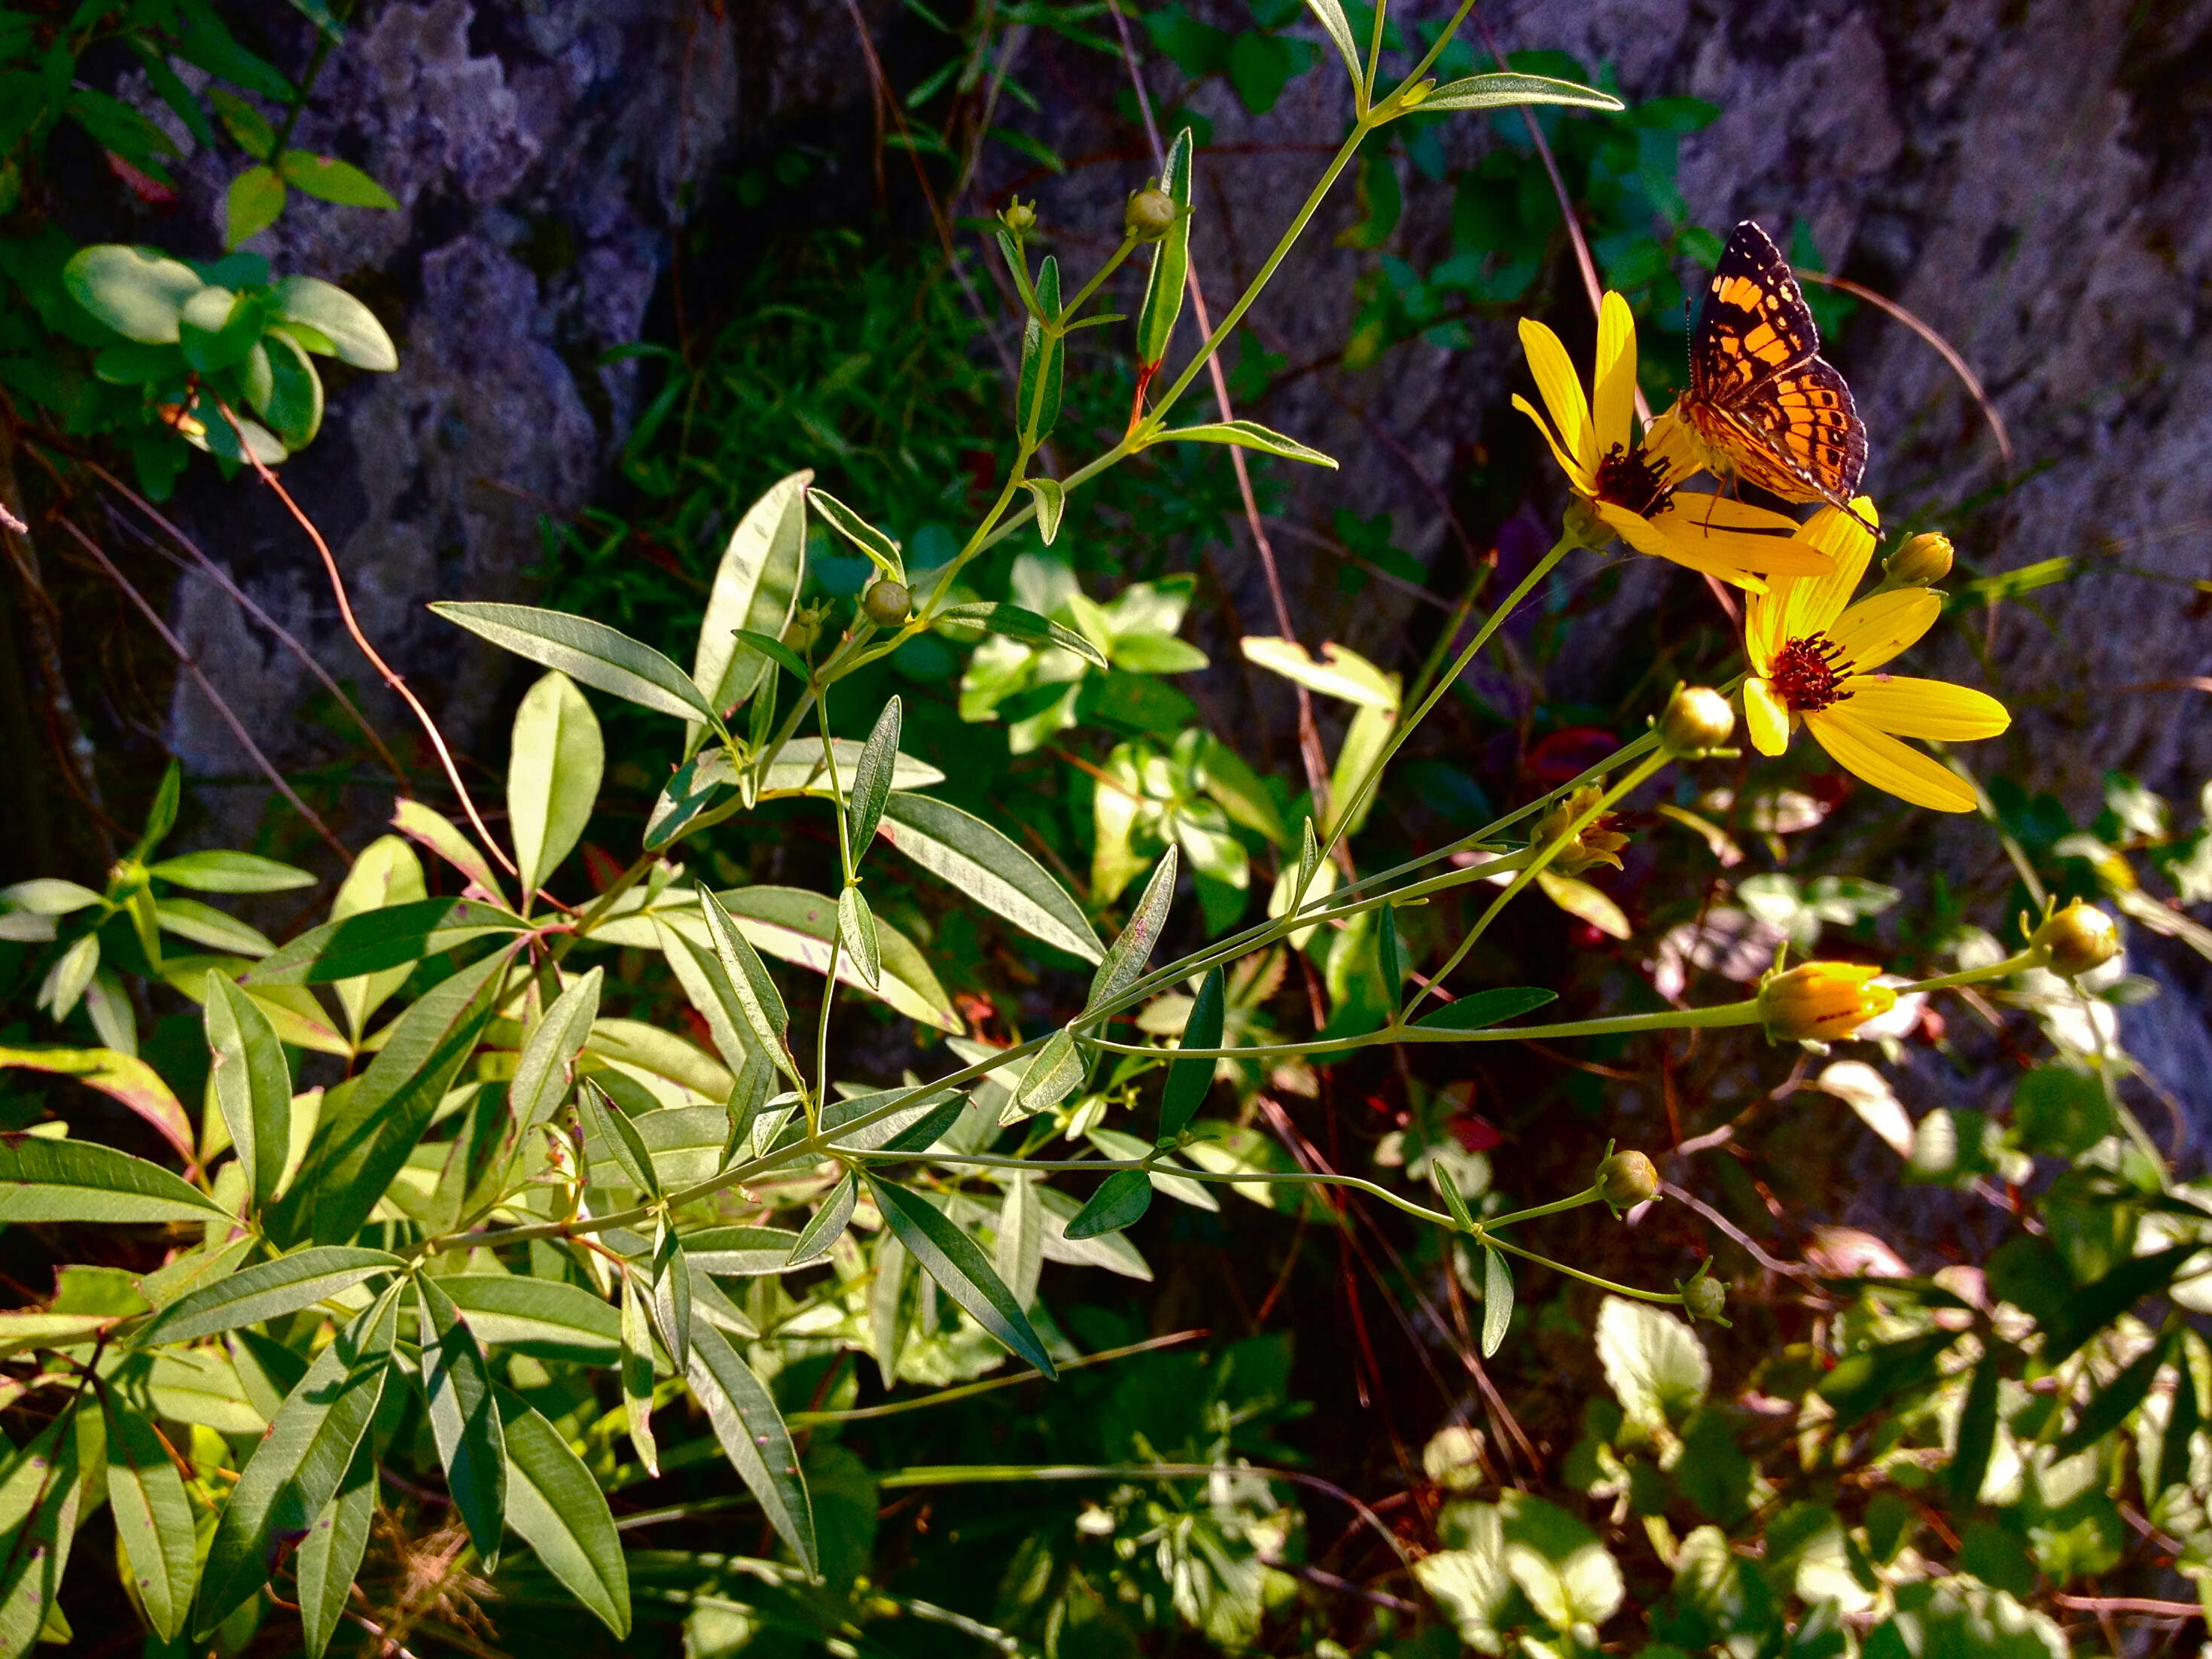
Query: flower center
[
  {"x": 1809, "y": 674},
  {"x": 1631, "y": 478}
]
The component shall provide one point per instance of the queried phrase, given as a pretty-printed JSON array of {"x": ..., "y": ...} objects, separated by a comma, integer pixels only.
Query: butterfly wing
[{"x": 1754, "y": 323}]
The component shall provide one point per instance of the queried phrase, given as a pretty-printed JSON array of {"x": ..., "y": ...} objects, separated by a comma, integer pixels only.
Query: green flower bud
[
  {"x": 1922, "y": 562},
  {"x": 1698, "y": 718},
  {"x": 1150, "y": 214},
  {"x": 1414, "y": 96},
  {"x": 1626, "y": 1179},
  {"x": 2077, "y": 938},
  {"x": 887, "y": 603},
  {"x": 1704, "y": 1298},
  {"x": 1018, "y": 217}
]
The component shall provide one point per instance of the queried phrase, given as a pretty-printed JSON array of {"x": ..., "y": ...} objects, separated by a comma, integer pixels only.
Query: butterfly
[{"x": 1767, "y": 405}]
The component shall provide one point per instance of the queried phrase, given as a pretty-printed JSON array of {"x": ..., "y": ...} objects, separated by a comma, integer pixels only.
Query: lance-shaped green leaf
[
  {"x": 392, "y": 937},
  {"x": 1978, "y": 1432},
  {"x": 587, "y": 651},
  {"x": 774, "y": 649},
  {"x": 1244, "y": 434},
  {"x": 1190, "y": 1080},
  {"x": 829, "y": 1222},
  {"x": 796, "y": 925},
  {"x": 419, "y": 824},
  {"x": 1024, "y": 628},
  {"x": 1329, "y": 14},
  {"x": 1019, "y": 1256},
  {"x": 1121, "y": 1200},
  {"x": 123, "y": 1078},
  {"x": 1056, "y": 1071},
  {"x": 2112, "y": 1403},
  {"x": 749, "y": 1098},
  {"x": 707, "y": 987},
  {"x": 740, "y": 1252},
  {"x": 1485, "y": 1009},
  {"x": 221, "y": 871},
  {"x": 608, "y": 1135},
  {"x": 756, "y": 587},
  {"x": 1504, "y": 91},
  {"x": 387, "y": 872},
  {"x": 1454, "y": 1200},
  {"x": 961, "y": 1269},
  {"x": 856, "y": 930},
  {"x": 552, "y": 775},
  {"x": 1037, "y": 388},
  {"x": 548, "y": 1062},
  {"x": 978, "y": 861},
  {"x": 672, "y": 1294},
  {"x": 1163, "y": 289},
  {"x": 1127, "y": 956},
  {"x": 359, "y": 1147},
  {"x": 691, "y": 788},
  {"x": 758, "y": 1000},
  {"x": 41, "y": 1494},
  {"x": 2183, "y": 1418},
  {"x": 153, "y": 1516},
  {"x": 1051, "y": 503},
  {"x": 1390, "y": 954},
  {"x": 882, "y": 552},
  {"x": 457, "y": 1388},
  {"x": 557, "y": 1508},
  {"x": 330, "y": 1556},
  {"x": 297, "y": 1467},
  {"x": 754, "y": 1438},
  {"x": 800, "y": 768},
  {"x": 43, "y": 1180},
  {"x": 872, "y": 778},
  {"x": 886, "y": 1306},
  {"x": 252, "y": 1084},
  {"x": 545, "y": 1318},
  {"x": 269, "y": 1290},
  {"x": 1496, "y": 1299},
  {"x": 637, "y": 1373}
]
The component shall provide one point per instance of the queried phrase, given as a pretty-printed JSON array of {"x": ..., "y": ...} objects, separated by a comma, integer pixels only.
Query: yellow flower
[
  {"x": 1629, "y": 485},
  {"x": 1599, "y": 842},
  {"x": 1812, "y": 659},
  {"x": 1822, "y": 1001}
]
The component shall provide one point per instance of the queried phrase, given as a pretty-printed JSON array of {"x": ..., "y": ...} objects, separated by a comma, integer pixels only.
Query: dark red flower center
[
  {"x": 1809, "y": 674},
  {"x": 1628, "y": 477}
]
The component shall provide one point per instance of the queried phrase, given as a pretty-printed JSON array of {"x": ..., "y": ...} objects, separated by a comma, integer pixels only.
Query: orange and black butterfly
[{"x": 1765, "y": 401}]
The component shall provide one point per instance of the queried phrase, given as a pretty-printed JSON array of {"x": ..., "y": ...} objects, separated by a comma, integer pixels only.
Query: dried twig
[{"x": 1944, "y": 347}]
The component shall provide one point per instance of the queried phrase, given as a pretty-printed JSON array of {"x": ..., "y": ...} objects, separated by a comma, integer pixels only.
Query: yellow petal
[
  {"x": 1813, "y": 606},
  {"x": 1935, "y": 709},
  {"x": 1581, "y": 480},
  {"x": 1691, "y": 541},
  {"x": 1562, "y": 391},
  {"x": 1615, "y": 401},
  {"x": 1873, "y": 630},
  {"x": 1715, "y": 556},
  {"x": 1669, "y": 442},
  {"x": 1726, "y": 513},
  {"x": 1885, "y": 763},
  {"x": 1764, "y": 714}
]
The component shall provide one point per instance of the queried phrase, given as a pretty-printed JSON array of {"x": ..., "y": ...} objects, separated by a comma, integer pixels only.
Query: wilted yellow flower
[
  {"x": 1629, "y": 485},
  {"x": 1813, "y": 657},
  {"x": 1597, "y": 843},
  {"x": 2076, "y": 938},
  {"x": 1822, "y": 1001}
]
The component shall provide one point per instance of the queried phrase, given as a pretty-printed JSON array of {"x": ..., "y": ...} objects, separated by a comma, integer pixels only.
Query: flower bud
[
  {"x": 802, "y": 630},
  {"x": 2076, "y": 938},
  {"x": 1582, "y": 527},
  {"x": 1414, "y": 96},
  {"x": 1821, "y": 1001},
  {"x": 1018, "y": 217},
  {"x": 1922, "y": 562},
  {"x": 1150, "y": 214},
  {"x": 887, "y": 603},
  {"x": 1698, "y": 718},
  {"x": 1597, "y": 843},
  {"x": 1704, "y": 1298},
  {"x": 1625, "y": 1179}
]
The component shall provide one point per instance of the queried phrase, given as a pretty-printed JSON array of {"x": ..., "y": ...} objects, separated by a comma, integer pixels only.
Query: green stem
[
  {"x": 1722, "y": 1014},
  {"x": 1674, "y": 1296},
  {"x": 1374, "y": 58},
  {"x": 1589, "y": 1195},
  {"x": 1059, "y": 324}
]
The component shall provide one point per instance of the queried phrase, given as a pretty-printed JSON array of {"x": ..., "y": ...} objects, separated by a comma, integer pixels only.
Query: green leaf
[
  {"x": 269, "y": 1290},
  {"x": 796, "y": 925},
  {"x": 610, "y": 1136},
  {"x": 137, "y": 292},
  {"x": 1037, "y": 389},
  {"x": 758, "y": 1000},
  {"x": 1454, "y": 1202},
  {"x": 2183, "y": 1418},
  {"x": 1497, "y": 1287},
  {"x": 1057, "y": 1071},
  {"x": 1121, "y": 1200},
  {"x": 252, "y": 204},
  {"x": 672, "y": 1294},
  {"x": 1329, "y": 14},
  {"x": 44, "y": 1180},
  {"x": 552, "y": 775},
  {"x": 2112, "y": 1404},
  {"x": 1190, "y": 1080},
  {"x": 1390, "y": 956},
  {"x": 2090, "y": 1308},
  {"x": 756, "y": 587},
  {"x": 754, "y": 1438},
  {"x": 1051, "y": 502},
  {"x": 1861, "y": 1382},
  {"x": 1243, "y": 434},
  {"x": 957, "y": 1262},
  {"x": 882, "y": 552},
  {"x": 774, "y": 649},
  {"x": 394, "y": 936},
  {"x": 1024, "y": 628},
  {"x": 1126, "y": 958},
  {"x": 557, "y": 1508},
  {"x": 153, "y": 1516},
  {"x": 544, "y": 1318},
  {"x": 547, "y": 1062},
  {"x": 41, "y": 1494},
  {"x": 1019, "y": 1257},
  {"x": 1503, "y": 91},
  {"x": 387, "y": 872},
  {"x": 637, "y": 1367},
  {"x": 292, "y": 402},
  {"x": 216, "y": 872},
  {"x": 588, "y": 651},
  {"x": 978, "y": 861},
  {"x": 739, "y": 1252},
  {"x": 1977, "y": 1432},
  {"x": 1485, "y": 1009},
  {"x": 829, "y": 1222},
  {"x": 328, "y": 180},
  {"x": 2060, "y": 1111},
  {"x": 123, "y": 1077},
  {"x": 351, "y": 327},
  {"x": 457, "y": 1388},
  {"x": 419, "y": 823},
  {"x": 204, "y": 924},
  {"x": 1164, "y": 288},
  {"x": 916, "y": 1126},
  {"x": 295, "y": 1469},
  {"x": 330, "y": 1556},
  {"x": 856, "y": 929},
  {"x": 252, "y": 1084},
  {"x": 1653, "y": 1361},
  {"x": 245, "y": 124},
  {"x": 872, "y": 777}
]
